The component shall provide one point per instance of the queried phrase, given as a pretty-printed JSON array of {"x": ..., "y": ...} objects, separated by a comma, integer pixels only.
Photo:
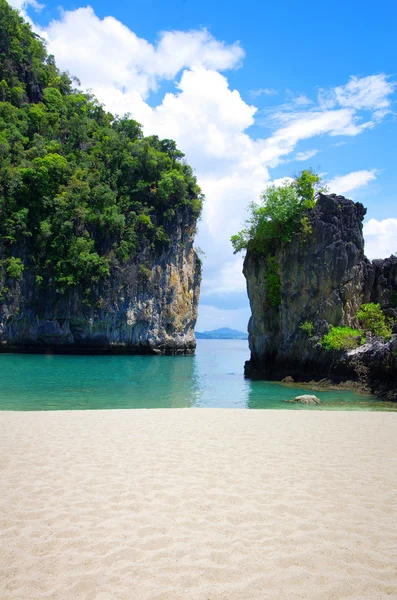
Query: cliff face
[
  {"x": 323, "y": 278},
  {"x": 146, "y": 305},
  {"x": 97, "y": 221}
]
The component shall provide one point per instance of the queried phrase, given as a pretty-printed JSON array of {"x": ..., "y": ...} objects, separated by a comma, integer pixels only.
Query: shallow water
[{"x": 211, "y": 378}]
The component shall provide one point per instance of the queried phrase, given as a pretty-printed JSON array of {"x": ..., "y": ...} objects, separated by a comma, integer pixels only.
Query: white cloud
[
  {"x": 209, "y": 120},
  {"x": 206, "y": 117},
  {"x": 351, "y": 181},
  {"x": 361, "y": 93},
  {"x": 23, "y": 4},
  {"x": 263, "y": 92},
  {"x": 370, "y": 93},
  {"x": 105, "y": 52},
  {"x": 229, "y": 279},
  {"x": 302, "y": 125},
  {"x": 301, "y": 100},
  {"x": 305, "y": 155},
  {"x": 380, "y": 238},
  {"x": 211, "y": 317},
  {"x": 281, "y": 181}
]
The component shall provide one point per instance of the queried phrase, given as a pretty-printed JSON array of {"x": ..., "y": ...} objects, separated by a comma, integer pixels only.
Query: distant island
[{"x": 224, "y": 333}]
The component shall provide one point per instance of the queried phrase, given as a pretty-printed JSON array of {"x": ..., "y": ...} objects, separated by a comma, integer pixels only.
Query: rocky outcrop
[
  {"x": 307, "y": 399},
  {"x": 322, "y": 278},
  {"x": 147, "y": 305}
]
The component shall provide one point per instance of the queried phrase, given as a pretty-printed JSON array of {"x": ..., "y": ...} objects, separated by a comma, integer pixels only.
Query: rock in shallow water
[{"x": 307, "y": 399}]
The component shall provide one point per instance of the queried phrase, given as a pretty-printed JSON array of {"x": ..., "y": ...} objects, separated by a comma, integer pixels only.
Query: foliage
[
  {"x": 307, "y": 185},
  {"x": 307, "y": 327},
  {"x": 373, "y": 320},
  {"x": 342, "y": 338},
  {"x": 15, "y": 268},
  {"x": 280, "y": 214},
  {"x": 272, "y": 282},
  {"x": 79, "y": 189},
  {"x": 144, "y": 274},
  {"x": 306, "y": 226}
]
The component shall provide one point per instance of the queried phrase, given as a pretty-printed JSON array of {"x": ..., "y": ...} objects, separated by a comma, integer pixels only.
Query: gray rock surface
[
  {"x": 131, "y": 313},
  {"x": 324, "y": 279},
  {"x": 307, "y": 399}
]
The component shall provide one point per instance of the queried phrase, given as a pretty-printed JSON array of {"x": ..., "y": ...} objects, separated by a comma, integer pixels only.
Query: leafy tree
[
  {"x": 80, "y": 189},
  {"x": 374, "y": 321},
  {"x": 343, "y": 338},
  {"x": 280, "y": 214},
  {"x": 15, "y": 268}
]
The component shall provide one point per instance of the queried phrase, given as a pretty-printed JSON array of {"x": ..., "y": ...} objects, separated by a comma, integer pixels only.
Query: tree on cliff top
[
  {"x": 80, "y": 190},
  {"x": 280, "y": 214}
]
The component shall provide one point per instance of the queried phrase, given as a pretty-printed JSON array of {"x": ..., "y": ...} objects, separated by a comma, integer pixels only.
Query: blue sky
[{"x": 252, "y": 92}]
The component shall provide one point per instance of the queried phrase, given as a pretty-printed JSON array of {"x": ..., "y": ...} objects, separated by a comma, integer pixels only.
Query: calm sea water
[{"x": 211, "y": 378}]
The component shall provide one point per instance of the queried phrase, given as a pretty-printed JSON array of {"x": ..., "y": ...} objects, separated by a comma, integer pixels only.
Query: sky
[{"x": 252, "y": 92}]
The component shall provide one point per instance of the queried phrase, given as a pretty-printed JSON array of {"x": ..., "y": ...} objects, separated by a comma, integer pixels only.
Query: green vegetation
[
  {"x": 144, "y": 273},
  {"x": 308, "y": 328},
  {"x": 280, "y": 215},
  {"x": 306, "y": 227},
  {"x": 80, "y": 190},
  {"x": 15, "y": 268},
  {"x": 272, "y": 282},
  {"x": 374, "y": 321},
  {"x": 343, "y": 338}
]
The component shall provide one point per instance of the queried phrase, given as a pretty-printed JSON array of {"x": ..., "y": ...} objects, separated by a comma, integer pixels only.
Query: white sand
[{"x": 198, "y": 504}]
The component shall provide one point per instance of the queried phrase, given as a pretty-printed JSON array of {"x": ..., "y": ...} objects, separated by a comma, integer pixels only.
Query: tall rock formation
[
  {"x": 322, "y": 278},
  {"x": 147, "y": 305},
  {"x": 97, "y": 221}
]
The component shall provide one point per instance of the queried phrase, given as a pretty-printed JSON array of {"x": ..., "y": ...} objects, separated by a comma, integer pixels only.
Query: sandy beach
[{"x": 198, "y": 504}]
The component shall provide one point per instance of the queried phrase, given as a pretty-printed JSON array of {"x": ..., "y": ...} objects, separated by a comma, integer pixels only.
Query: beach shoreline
[{"x": 198, "y": 504}]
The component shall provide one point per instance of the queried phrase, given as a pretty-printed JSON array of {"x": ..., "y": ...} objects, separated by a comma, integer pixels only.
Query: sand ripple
[{"x": 198, "y": 505}]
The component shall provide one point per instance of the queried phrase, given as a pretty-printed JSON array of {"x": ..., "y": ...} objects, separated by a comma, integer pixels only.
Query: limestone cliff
[
  {"x": 322, "y": 277},
  {"x": 97, "y": 220},
  {"x": 146, "y": 305}
]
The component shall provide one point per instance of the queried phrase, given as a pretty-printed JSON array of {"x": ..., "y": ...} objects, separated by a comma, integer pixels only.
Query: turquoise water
[{"x": 211, "y": 378}]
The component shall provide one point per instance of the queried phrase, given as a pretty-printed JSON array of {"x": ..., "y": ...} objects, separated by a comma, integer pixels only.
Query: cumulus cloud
[
  {"x": 105, "y": 52},
  {"x": 380, "y": 238},
  {"x": 227, "y": 280},
  {"x": 351, "y": 181},
  {"x": 209, "y": 120}
]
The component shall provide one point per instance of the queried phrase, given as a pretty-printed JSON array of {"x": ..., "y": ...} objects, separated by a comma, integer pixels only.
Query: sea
[{"x": 212, "y": 378}]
